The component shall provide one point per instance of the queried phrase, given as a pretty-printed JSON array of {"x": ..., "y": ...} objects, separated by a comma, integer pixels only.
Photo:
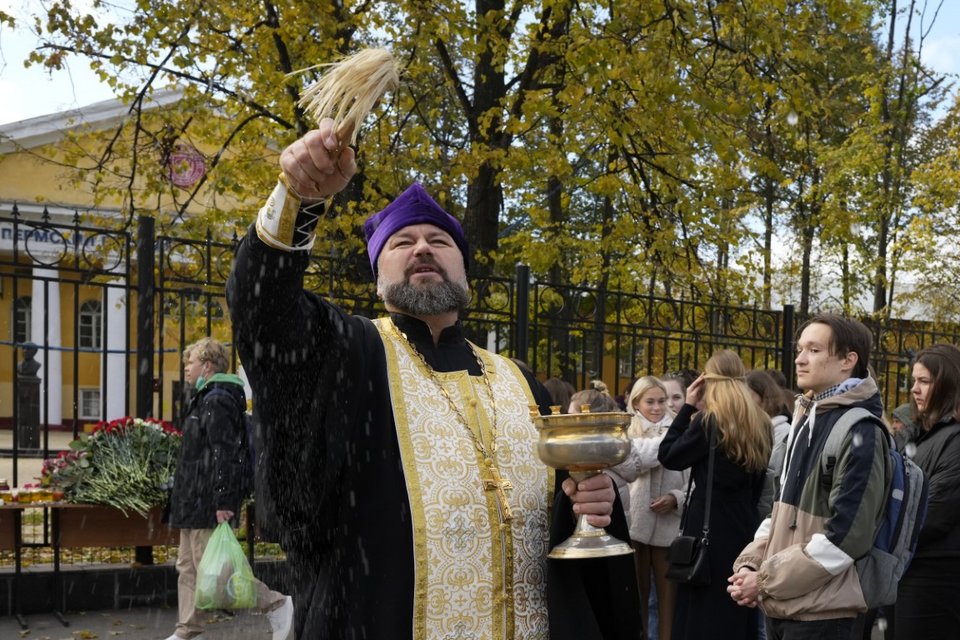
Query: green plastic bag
[{"x": 224, "y": 577}]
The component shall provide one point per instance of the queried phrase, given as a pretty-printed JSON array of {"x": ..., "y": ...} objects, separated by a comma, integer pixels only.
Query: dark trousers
[
  {"x": 928, "y": 600},
  {"x": 863, "y": 627},
  {"x": 832, "y": 629}
]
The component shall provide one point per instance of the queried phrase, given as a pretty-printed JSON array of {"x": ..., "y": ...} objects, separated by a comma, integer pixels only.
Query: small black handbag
[{"x": 687, "y": 555}]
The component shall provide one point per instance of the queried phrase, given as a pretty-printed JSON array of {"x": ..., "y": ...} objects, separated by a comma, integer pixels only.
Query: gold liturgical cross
[{"x": 500, "y": 485}]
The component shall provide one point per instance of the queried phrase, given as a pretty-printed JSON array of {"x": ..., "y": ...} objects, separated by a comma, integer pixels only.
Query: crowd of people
[
  {"x": 399, "y": 461},
  {"x": 783, "y": 544},
  {"x": 671, "y": 417}
]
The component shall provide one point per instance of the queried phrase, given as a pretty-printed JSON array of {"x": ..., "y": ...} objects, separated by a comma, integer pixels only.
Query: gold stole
[{"x": 476, "y": 577}]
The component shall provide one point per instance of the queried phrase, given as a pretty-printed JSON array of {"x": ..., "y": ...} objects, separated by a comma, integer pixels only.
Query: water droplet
[
  {"x": 792, "y": 119},
  {"x": 857, "y": 439},
  {"x": 910, "y": 449}
]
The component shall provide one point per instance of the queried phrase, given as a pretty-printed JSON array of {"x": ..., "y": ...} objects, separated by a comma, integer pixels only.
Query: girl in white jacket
[{"x": 656, "y": 496}]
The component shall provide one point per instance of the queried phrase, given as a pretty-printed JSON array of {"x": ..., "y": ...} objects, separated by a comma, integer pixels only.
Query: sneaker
[
  {"x": 281, "y": 619},
  {"x": 176, "y": 637}
]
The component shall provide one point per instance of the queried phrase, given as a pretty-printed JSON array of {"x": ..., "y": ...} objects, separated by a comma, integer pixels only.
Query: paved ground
[{"x": 148, "y": 623}]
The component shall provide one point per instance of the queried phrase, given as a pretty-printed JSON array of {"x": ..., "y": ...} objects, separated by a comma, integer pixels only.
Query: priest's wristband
[{"x": 285, "y": 222}]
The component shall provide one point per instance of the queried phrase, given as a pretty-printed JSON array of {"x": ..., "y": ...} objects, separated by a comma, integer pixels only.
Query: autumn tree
[{"x": 656, "y": 147}]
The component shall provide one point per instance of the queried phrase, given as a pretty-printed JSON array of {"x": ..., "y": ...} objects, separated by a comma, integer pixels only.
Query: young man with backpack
[{"x": 801, "y": 567}]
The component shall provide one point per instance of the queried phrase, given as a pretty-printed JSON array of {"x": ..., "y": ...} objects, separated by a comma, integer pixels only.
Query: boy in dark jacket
[
  {"x": 800, "y": 566},
  {"x": 207, "y": 488}
]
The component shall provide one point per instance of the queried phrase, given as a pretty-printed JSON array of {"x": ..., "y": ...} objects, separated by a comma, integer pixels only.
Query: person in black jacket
[
  {"x": 929, "y": 591},
  {"x": 209, "y": 482},
  {"x": 743, "y": 442}
]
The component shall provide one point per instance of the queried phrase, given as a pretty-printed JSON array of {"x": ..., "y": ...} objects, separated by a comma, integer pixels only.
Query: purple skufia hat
[{"x": 413, "y": 206}]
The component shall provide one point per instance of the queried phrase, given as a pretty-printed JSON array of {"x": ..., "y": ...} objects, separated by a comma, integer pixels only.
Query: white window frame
[
  {"x": 90, "y": 325},
  {"x": 22, "y": 305},
  {"x": 626, "y": 363},
  {"x": 87, "y": 396}
]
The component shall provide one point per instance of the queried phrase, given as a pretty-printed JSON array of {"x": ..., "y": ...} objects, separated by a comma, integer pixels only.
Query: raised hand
[
  {"x": 318, "y": 165},
  {"x": 695, "y": 392}
]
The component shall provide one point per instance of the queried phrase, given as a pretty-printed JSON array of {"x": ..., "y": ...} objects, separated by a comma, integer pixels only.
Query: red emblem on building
[{"x": 186, "y": 166}]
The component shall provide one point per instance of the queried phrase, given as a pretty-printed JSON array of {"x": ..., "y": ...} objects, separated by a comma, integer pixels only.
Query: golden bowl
[
  {"x": 584, "y": 444},
  {"x": 583, "y": 441}
]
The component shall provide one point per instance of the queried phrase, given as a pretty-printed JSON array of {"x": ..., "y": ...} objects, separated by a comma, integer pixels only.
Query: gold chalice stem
[{"x": 588, "y": 541}]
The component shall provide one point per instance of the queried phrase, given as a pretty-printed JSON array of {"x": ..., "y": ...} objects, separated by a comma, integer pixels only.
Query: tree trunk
[
  {"x": 845, "y": 275},
  {"x": 484, "y": 195},
  {"x": 896, "y": 119},
  {"x": 769, "y": 190},
  {"x": 600, "y": 316},
  {"x": 880, "y": 274},
  {"x": 769, "y": 193},
  {"x": 807, "y": 246},
  {"x": 805, "y": 230}
]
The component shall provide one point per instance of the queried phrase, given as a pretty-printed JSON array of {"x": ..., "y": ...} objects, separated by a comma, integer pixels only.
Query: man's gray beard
[{"x": 429, "y": 300}]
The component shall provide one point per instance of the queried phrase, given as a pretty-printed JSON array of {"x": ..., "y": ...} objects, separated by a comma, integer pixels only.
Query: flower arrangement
[{"x": 126, "y": 463}]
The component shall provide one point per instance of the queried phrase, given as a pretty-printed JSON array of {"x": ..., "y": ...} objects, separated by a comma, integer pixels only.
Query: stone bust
[{"x": 29, "y": 366}]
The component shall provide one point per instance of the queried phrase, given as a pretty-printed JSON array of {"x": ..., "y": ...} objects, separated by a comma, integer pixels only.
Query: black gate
[{"x": 66, "y": 288}]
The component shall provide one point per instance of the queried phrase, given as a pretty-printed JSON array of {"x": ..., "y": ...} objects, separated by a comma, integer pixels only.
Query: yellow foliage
[{"x": 626, "y": 141}]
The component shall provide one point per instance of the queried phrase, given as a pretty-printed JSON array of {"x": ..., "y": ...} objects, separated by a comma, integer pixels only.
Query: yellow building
[{"x": 68, "y": 275}]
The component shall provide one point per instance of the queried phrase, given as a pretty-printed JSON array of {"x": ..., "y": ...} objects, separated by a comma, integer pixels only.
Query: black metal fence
[
  {"x": 58, "y": 268},
  {"x": 576, "y": 333}
]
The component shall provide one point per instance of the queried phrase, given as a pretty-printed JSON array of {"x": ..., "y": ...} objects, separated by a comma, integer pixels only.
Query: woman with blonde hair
[
  {"x": 741, "y": 434},
  {"x": 655, "y": 496}
]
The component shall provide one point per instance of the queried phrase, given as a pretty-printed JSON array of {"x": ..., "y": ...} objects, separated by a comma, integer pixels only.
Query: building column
[
  {"x": 115, "y": 364},
  {"x": 45, "y": 333}
]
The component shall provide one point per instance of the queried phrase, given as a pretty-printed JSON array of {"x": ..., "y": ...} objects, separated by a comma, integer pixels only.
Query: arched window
[
  {"x": 22, "y": 317},
  {"x": 91, "y": 325}
]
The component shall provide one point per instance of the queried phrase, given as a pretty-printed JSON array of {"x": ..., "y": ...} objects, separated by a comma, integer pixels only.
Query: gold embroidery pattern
[{"x": 475, "y": 576}]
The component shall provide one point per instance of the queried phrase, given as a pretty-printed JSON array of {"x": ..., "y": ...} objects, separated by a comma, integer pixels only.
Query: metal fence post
[
  {"x": 786, "y": 346},
  {"x": 145, "y": 307},
  {"x": 599, "y": 325},
  {"x": 521, "y": 341}
]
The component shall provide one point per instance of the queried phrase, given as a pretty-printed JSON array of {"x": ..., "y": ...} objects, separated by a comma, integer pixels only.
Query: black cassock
[{"x": 330, "y": 481}]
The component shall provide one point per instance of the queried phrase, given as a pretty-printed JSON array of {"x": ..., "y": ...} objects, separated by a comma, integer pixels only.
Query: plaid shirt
[{"x": 826, "y": 393}]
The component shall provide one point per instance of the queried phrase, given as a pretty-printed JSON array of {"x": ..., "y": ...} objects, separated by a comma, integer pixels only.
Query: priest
[{"x": 398, "y": 459}]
